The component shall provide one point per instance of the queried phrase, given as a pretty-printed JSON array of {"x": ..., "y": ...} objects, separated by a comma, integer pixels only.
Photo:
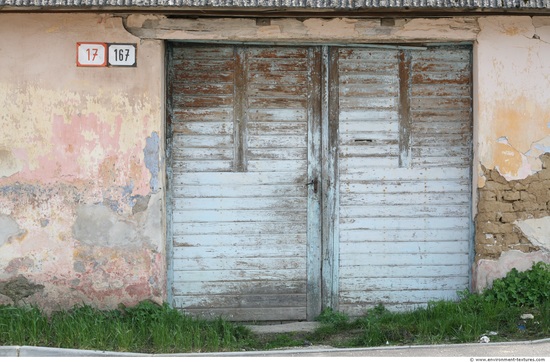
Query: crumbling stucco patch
[
  {"x": 99, "y": 225},
  {"x": 502, "y": 203},
  {"x": 537, "y": 231},
  {"x": 489, "y": 270},
  {"x": 152, "y": 162},
  {"x": 18, "y": 265},
  {"x": 18, "y": 288},
  {"x": 9, "y": 229},
  {"x": 8, "y": 163},
  {"x": 141, "y": 203}
]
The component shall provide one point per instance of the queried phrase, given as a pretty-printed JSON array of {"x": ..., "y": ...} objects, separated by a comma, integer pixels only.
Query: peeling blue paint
[
  {"x": 543, "y": 148},
  {"x": 128, "y": 189},
  {"x": 151, "y": 156}
]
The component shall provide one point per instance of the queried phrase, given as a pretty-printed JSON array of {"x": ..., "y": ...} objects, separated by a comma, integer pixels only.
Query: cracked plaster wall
[
  {"x": 81, "y": 192},
  {"x": 512, "y": 105}
]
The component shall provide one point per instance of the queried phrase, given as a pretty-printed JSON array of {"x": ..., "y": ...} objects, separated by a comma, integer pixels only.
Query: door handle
[{"x": 315, "y": 184}]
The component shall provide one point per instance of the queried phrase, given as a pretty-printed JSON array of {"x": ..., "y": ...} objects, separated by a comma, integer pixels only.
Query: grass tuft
[{"x": 145, "y": 328}]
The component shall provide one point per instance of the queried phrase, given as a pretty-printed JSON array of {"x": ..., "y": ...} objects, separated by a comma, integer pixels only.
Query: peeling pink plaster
[{"x": 78, "y": 137}]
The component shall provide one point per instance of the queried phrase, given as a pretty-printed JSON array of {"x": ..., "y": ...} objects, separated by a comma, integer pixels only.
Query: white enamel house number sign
[{"x": 97, "y": 54}]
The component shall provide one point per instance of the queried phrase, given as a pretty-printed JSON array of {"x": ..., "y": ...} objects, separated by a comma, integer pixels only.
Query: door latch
[{"x": 315, "y": 184}]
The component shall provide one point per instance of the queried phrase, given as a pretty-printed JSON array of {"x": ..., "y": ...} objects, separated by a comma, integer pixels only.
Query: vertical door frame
[
  {"x": 330, "y": 178},
  {"x": 314, "y": 185}
]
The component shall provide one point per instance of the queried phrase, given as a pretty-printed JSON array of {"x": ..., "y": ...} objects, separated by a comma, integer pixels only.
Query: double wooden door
[{"x": 310, "y": 177}]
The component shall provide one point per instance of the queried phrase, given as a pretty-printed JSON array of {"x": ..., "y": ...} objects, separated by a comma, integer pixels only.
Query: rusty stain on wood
[{"x": 404, "y": 109}]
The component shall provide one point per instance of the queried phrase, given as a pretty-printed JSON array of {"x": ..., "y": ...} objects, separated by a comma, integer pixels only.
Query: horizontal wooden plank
[
  {"x": 205, "y": 76},
  {"x": 412, "y": 247},
  {"x": 443, "y": 54},
  {"x": 418, "y": 210},
  {"x": 373, "y": 90},
  {"x": 368, "y": 139},
  {"x": 404, "y": 271},
  {"x": 203, "y": 153},
  {"x": 360, "y": 303},
  {"x": 202, "y": 166},
  {"x": 273, "y": 140},
  {"x": 425, "y": 66},
  {"x": 407, "y": 174},
  {"x": 277, "y": 115},
  {"x": 267, "y": 101},
  {"x": 254, "y": 240},
  {"x": 399, "y": 296},
  {"x": 348, "y": 198},
  {"x": 274, "y": 53},
  {"x": 441, "y": 78},
  {"x": 239, "y": 178},
  {"x": 400, "y": 187},
  {"x": 440, "y": 161},
  {"x": 190, "y": 276},
  {"x": 201, "y": 89},
  {"x": 369, "y": 148},
  {"x": 238, "y": 216},
  {"x": 404, "y": 235},
  {"x": 400, "y": 222},
  {"x": 378, "y": 103},
  {"x": 275, "y": 90},
  {"x": 202, "y": 52},
  {"x": 282, "y": 202},
  {"x": 211, "y": 140},
  {"x": 363, "y": 54},
  {"x": 236, "y": 190},
  {"x": 256, "y": 65},
  {"x": 433, "y": 90},
  {"x": 276, "y": 128},
  {"x": 263, "y": 250},
  {"x": 441, "y": 140},
  {"x": 282, "y": 77},
  {"x": 451, "y": 125},
  {"x": 211, "y": 60},
  {"x": 210, "y": 100},
  {"x": 368, "y": 126},
  {"x": 367, "y": 162},
  {"x": 384, "y": 260},
  {"x": 368, "y": 115},
  {"x": 359, "y": 284},
  {"x": 387, "y": 67},
  {"x": 249, "y": 314},
  {"x": 242, "y": 263},
  {"x": 439, "y": 103},
  {"x": 238, "y": 287},
  {"x": 243, "y": 301},
  {"x": 238, "y": 228},
  {"x": 277, "y": 165},
  {"x": 202, "y": 115},
  {"x": 274, "y": 153},
  {"x": 204, "y": 128},
  {"x": 357, "y": 310},
  {"x": 367, "y": 79}
]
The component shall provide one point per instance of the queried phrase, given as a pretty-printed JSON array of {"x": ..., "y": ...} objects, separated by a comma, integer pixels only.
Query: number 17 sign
[{"x": 105, "y": 54}]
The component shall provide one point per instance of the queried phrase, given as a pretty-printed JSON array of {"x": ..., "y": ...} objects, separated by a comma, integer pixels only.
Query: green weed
[{"x": 147, "y": 328}]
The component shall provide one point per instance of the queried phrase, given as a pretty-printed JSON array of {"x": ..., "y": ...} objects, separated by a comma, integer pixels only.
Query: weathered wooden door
[
  {"x": 311, "y": 177},
  {"x": 244, "y": 151},
  {"x": 404, "y": 228}
]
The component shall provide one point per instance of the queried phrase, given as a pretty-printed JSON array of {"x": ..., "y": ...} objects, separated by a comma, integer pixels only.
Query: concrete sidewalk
[{"x": 540, "y": 348}]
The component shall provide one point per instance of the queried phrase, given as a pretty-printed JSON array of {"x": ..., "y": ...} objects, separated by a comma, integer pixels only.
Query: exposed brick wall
[{"x": 503, "y": 202}]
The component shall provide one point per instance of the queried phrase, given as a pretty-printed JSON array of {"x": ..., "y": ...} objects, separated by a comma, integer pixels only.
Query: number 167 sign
[{"x": 105, "y": 54}]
